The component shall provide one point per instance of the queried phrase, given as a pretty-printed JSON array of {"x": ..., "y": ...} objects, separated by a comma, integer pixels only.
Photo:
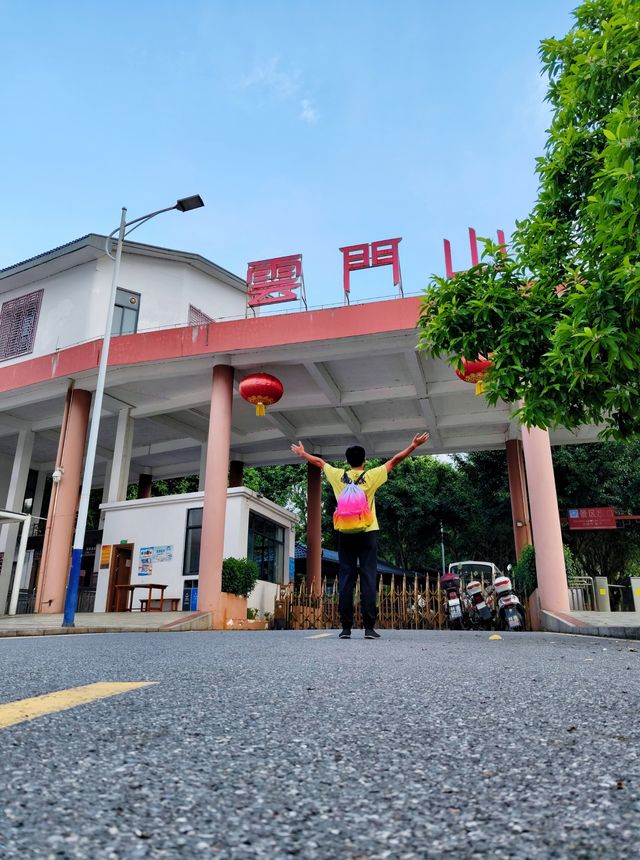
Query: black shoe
[
  {"x": 370, "y": 633},
  {"x": 345, "y": 633}
]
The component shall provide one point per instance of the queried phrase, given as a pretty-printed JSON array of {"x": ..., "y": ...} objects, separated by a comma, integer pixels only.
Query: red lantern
[
  {"x": 475, "y": 372},
  {"x": 262, "y": 389}
]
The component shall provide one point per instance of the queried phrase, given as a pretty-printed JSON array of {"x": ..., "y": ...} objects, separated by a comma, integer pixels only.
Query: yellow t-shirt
[{"x": 374, "y": 478}]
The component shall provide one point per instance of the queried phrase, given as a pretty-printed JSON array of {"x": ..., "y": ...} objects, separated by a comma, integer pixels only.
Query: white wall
[
  {"x": 74, "y": 302},
  {"x": 70, "y": 312},
  {"x": 163, "y": 521},
  {"x": 168, "y": 288}
]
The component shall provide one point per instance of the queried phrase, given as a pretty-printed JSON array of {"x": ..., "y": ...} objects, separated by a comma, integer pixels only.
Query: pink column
[
  {"x": 215, "y": 495},
  {"x": 54, "y": 566},
  {"x": 518, "y": 494},
  {"x": 545, "y": 520},
  {"x": 314, "y": 527}
]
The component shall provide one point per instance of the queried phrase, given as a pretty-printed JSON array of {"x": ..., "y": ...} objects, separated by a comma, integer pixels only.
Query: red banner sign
[{"x": 592, "y": 518}]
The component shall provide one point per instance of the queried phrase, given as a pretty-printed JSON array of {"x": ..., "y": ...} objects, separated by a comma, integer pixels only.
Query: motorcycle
[
  {"x": 509, "y": 611},
  {"x": 453, "y": 606},
  {"x": 480, "y": 614}
]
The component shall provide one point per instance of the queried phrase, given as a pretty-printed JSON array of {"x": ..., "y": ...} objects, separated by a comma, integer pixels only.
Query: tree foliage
[
  {"x": 559, "y": 313},
  {"x": 601, "y": 475}
]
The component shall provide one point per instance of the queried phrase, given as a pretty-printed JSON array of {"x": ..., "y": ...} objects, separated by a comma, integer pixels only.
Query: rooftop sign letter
[
  {"x": 273, "y": 281},
  {"x": 473, "y": 244},
  {"x": 368, "y": 256}
]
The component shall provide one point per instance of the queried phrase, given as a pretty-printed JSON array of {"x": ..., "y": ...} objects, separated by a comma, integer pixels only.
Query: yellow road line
[
  {"x": 318, "y": 636},
  {"x": 29, "y": 709}
]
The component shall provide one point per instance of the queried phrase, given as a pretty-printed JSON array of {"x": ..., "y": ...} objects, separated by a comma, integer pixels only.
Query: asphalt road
[{"x": 273, "y": 744}]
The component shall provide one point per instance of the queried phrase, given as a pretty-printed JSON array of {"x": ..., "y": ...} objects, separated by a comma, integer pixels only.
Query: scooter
[
  {"x": 509, "y": 611},
  {"x": 480, "y": 615},
  {"x": 453, "y": 606}
]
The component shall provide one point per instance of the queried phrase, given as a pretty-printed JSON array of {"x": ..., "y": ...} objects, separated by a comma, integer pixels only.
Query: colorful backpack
[{"x": 353, "y": 513}]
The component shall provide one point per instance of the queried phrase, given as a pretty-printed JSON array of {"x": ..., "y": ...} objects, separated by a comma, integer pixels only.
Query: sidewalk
[
  {"x": 103, "y": 622},
  {"x": 616, "y": 625}
]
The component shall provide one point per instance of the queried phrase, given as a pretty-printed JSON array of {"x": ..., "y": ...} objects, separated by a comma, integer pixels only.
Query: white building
[{"x": 160, "y": 538}]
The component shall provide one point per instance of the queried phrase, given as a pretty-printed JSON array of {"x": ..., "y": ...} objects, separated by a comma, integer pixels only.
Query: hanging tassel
[
  {"x": 260, "y": 409},
  {"x": 479, "y": 388}
]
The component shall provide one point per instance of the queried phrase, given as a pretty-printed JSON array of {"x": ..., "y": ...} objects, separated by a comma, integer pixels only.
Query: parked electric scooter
[
  {"x": 453, "y": 606},
  {"x": 480, "y": 615},
  {"x": 509, "y": 611}
]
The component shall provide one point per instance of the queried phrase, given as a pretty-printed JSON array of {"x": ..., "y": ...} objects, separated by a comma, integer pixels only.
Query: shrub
[
  {"x": 525, "y": 577},
  {"x": 239, "y": 576},
  {"x": 525, "y": 574}
]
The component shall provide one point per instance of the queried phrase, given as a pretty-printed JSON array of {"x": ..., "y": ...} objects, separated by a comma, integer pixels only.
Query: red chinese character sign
[
  {"x": 369, "y": 256},
  {"x": 473, "y": 243},
  {"x": 277, "y": 280}
]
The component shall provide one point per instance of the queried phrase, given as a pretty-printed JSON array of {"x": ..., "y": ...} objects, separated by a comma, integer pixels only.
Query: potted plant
[
  {"x": 254, "y": 622},
  {"x": 239, "y": 576}
]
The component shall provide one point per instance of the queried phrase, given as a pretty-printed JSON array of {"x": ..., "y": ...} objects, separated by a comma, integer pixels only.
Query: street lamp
[{"x": 185, "y": 204}]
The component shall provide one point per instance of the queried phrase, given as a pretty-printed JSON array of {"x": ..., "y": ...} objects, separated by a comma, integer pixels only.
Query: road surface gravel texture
[{"x": 276, "y": 745}]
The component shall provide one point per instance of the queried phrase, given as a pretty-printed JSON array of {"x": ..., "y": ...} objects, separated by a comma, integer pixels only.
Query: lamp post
[{"x": 185, "y": 204}]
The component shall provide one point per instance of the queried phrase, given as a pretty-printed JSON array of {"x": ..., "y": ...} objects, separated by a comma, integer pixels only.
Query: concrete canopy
[{"x": 351, "y": 375}]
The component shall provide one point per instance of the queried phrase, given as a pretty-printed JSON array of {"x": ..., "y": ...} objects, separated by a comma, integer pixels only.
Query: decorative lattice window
[
  {"x": 18, "y": 323},
  {"x": 198, "y": 317}
]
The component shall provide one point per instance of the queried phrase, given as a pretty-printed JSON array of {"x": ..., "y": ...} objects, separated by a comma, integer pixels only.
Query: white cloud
[
  {"x": 309, "y": 113},
  {"x": 283, "y": 85}
]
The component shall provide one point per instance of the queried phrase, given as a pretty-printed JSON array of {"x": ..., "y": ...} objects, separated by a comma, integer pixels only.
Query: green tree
[
  {"x": 559, "y": 314},
  {"x": 410, "y": 506},
  {"x": 487, "y": 530},
  {"x": 601, "y": 475},
  {"x": 284, "y": 485}
]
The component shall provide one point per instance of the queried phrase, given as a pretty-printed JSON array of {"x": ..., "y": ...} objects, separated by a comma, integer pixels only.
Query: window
[
  {"x": 18, "y": 323},
  {"x": 198, "y": 317},
  {"x": 191, "y": 566},
  {"x": 125, "y": 313},
  {"x": 266, "y": 547}
]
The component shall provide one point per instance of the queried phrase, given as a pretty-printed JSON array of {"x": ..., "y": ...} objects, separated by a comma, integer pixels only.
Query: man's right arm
[{"x": 310, "y": 458}]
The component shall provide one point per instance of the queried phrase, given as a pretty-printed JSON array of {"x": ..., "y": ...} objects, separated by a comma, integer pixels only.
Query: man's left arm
[{"x": 418, "y": 439}]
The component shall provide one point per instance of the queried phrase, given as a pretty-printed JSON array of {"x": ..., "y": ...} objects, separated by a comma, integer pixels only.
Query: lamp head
[{"x": 186, "y": 204}]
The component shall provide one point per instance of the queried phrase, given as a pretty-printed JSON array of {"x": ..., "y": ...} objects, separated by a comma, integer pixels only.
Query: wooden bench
[{"x": 157, "y": 606}]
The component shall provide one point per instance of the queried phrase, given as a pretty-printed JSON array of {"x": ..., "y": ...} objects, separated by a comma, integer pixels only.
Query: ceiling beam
[
  {"x": 325, "y": 382},
  {"x": 180, "y": 427},
  {"x": 283, "y": 425},
  {"x": 474, "y": 419},
  {"x": 12, "y": 424},
  {"x": 416, "y": 368},
  {"x": 350, "y": 419},
  {"x": 164, "y": 447},
  {"x": 178, "y": 403}
]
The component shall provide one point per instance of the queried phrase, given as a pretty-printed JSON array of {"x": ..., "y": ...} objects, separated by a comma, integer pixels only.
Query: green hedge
[
  {"x": 525, "y": 575},
  {"x": 239, "y": 576}
]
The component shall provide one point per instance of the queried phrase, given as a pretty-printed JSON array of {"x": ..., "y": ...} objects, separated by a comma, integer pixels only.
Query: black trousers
[{"x": 361, "y": 548}]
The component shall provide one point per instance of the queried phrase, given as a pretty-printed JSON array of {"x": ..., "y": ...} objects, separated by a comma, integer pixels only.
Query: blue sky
[{"x": 304, "y": 125}]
